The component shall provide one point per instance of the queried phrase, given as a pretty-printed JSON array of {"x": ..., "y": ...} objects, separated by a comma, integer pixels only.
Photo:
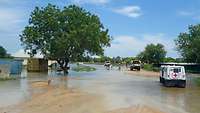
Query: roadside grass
[
  {"x": 150, "y": 67},
  {"x": 197, "y": 81},
  {"x": 7, "y": 78},
  {"x": 82, "y": 68}
]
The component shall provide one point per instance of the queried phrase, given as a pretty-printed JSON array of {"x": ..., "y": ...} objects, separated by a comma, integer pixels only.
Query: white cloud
[
  {"x": 21, "y": 53},
  {"x": 191, "y": 14},
  {"x": 185, "y": 13},
  {"x": 130, "y": 11},
  {"x": 131, "y": 46},
  {"x": 97, "y": 2}
]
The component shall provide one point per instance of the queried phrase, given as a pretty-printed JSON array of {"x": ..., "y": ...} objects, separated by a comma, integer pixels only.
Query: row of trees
[{"x": 115, "y": 60}]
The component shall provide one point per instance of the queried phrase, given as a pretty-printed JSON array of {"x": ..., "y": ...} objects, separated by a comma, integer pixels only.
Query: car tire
[{"x": 161, "y": 80}]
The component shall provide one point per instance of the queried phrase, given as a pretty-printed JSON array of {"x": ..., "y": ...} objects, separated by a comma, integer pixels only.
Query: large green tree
[
  {"x": 188, "y": 44},
  {"x": 153, "y": 54},
  {"x": 65, "y": 34}
]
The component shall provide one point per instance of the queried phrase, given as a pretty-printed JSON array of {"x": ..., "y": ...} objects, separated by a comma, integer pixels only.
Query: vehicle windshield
[{"x": 136, "y": 62}]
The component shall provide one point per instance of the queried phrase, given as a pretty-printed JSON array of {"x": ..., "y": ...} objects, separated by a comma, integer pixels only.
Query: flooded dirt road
[{"x": 101, "y": 91}]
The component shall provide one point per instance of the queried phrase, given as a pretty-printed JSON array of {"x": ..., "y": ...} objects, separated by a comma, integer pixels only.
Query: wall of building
[
  {"x": 37, "y": 65},
  {"x": 15, "y": 65}
]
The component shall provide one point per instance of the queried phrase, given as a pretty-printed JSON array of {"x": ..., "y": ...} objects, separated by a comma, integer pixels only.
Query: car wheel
[{"x": 161, "y": 80}]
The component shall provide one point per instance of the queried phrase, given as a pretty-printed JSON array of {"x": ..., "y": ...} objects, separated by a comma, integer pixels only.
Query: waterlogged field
[{"x": 100, "y": 91}]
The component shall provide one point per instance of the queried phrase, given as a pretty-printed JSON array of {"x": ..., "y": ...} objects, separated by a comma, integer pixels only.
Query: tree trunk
[{"x": 64, "y": 64}]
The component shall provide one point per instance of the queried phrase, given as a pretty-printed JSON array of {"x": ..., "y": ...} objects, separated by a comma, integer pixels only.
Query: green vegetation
[
  {"x": 150, "y": 67},
  {"x": 169, "y": 59},
  {"x": 64, "y": 34},
  {"x": 102, "y": 59},
  {"x": 114, "y": 60},
  {"x": 153, "y": 54},
  {"x": 188, "y": 44},
  {"x": 7, "y": 78},
  {"x": 4, "y": 54},
  {"x": 197, "y": 80},
  {"x": 80, "y": 68}
]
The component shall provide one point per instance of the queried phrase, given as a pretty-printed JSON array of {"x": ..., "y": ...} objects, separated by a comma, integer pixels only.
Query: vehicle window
[
  {"x": 136, "y": 62},
  {"x": 176, "y": 70}
]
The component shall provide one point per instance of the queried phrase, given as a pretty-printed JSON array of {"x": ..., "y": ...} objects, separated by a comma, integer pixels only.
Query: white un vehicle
[{"x": 173, "y": 76}]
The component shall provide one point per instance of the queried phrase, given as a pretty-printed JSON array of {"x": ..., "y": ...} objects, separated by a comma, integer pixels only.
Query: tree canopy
[
  {"x": 188, "y": 44},
  {"x": 64, "y": 34},
  {"x": 3, "y": 52},
  {"x": 152, "y": 54}
]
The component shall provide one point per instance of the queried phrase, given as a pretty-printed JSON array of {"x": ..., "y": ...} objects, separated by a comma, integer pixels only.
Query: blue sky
[{"x": 131, "y": 23}]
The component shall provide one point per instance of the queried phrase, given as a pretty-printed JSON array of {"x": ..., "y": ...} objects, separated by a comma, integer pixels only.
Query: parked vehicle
[
  {"x": 136, "y": 64},
  {"x": 108, "y": 65},
  {"x": 173, "y": 76}
]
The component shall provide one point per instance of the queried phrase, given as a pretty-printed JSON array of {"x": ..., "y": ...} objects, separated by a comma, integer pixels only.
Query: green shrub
[
  {"x": 7, "y": 78},
  {"x": 197, "y": 80},
  {"x": 150, "y": 67}
]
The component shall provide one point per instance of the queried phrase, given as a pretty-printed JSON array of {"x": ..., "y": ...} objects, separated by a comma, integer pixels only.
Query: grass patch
[
  {"x": 197, "y": 80},
  {"x": 7, "y": 78},
  {"x": 81, "y": 68},
  {"x": 150, "y": 67}
]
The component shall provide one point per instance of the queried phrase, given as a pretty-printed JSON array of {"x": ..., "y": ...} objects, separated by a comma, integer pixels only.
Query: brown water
[{"x": 118, "y": 89}]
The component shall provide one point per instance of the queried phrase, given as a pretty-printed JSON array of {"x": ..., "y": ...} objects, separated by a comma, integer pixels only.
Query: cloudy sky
[{"x": 131, "y": 23}]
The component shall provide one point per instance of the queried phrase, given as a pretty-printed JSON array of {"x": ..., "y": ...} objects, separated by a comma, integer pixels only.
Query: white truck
[
  {"x": 173, "y": 76},
  {"x": 136, "y": 64},
  {"x": 108, "y": 65}
]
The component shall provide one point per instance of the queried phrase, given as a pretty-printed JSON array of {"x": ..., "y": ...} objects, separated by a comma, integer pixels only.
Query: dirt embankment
[{"x": 143, "y": 73}]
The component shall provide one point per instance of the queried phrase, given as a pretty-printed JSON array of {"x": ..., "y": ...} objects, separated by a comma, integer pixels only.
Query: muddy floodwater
[{"x": 115, "y": 89}]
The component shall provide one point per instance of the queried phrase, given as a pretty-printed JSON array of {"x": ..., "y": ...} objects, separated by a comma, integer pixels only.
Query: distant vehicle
[
  {"x": 173, "y": 76},
  {"x": 108, "y": 65},
  {"x": 56, "y": 66},
  {"x": 136, "y": 64}
]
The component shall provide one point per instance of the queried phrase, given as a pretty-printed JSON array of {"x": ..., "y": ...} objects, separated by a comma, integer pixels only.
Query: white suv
[{"x": 173, "y": 76}]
